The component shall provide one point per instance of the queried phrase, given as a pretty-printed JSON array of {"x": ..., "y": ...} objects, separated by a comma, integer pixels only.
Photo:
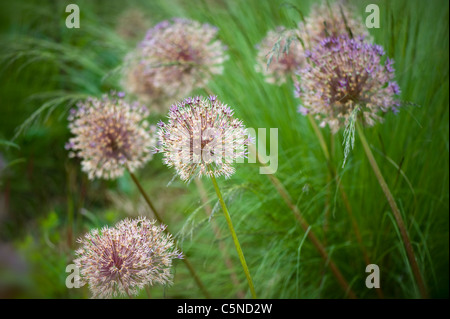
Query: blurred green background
[{"x": 46, "y": 202}]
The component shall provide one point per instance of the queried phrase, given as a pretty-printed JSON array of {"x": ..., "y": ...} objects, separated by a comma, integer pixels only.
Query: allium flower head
[
  {"x": 202, "y": 138},
  {"x": 331, "y": 20},
  {"x": 343, "y": 74},
  {"x": 138, "y": 81},
  {"x": 123, "y": 259},
  {"x": 284, "y": 52},
  {"x": 175, "y": 58},
  {"x": 110, "y": 135}
]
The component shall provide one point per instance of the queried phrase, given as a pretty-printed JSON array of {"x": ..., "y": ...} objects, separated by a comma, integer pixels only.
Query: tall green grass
[{"x": 46, "y": 67}]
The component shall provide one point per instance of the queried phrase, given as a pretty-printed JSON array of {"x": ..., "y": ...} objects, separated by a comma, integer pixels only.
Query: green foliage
[{"x": 46, "y": 68}]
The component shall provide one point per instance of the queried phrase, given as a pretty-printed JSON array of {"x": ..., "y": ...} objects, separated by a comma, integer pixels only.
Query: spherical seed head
[
  {"x": 285, "y": 60},
  {"x": 110, "y": 135},
  {"x": 202, "y": 138},
  {"x": 138, "y": 81},
  {"x": 123, "y": 259},
  {"x": 175, "y": 58},
  {"x": 331, "y": 20},
  {"x": 342, "y": 74}
]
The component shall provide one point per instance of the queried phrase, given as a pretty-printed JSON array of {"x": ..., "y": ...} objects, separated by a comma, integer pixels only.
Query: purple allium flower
[
  {"x": 138, "y": 81},
  {"x": 110, "y": 135},
  {"x": 123, "y": 259},
  {"x": 303, "y": 110},
  {"x": 325, "y": 20},
  {"x": 338, "y": 81},
  {"x": 175, "y": 58},
  {"x": 284, "y": 61},
  {"x": 203, "y": 138}
]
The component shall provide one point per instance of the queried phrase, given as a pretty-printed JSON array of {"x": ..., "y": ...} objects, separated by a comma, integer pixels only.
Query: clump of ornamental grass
[
  {"x": 122, "y": 260},
  {"x": 280, "y": 54},
  {"x": 202, "y": 138},
  {"x": 325, "y": 20},
  {"x": 110, "y": 135},
  {"x": 175, "y": 57}
]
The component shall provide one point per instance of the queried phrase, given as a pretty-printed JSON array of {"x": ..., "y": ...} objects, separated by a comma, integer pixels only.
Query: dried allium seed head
[
  {"x": 175, "y": 58},
  {"x": 343, "y": 74},
  {"x": 202, "y": 138},
  {"x": 331, "y": 20},
  {"x": 138, "y": 81},
  {"x": 110, "y": 135},
  {"x": 284, "y": 52},
  {"x": 123, "y": 259}
]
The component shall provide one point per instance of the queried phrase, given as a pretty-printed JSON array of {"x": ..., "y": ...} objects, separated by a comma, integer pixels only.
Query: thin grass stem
[
  {"x": 396, "y": 212},
  {"x": 344, "y": 196},
  {"x": 307, "y": 228},
  {"x": 159, "y": 219}
]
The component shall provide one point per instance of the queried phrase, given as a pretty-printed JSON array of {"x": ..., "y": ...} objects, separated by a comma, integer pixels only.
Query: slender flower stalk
[
  {"x": 146, "y": 198},
  {"x": 158, "y": 217},
  {"x": 203, "y": 138},
  {"x": 235, "y": 238},
  {"x": 397, "y": 215},
  {"x": 217, "y": 234},
  {"x": 345, "y": 83},
  {"x": 323, "y": 22},
  {"x": 307, "y": 228},
  {"x": 335, "y": 176},
  {"x": 344, "y": 196}
]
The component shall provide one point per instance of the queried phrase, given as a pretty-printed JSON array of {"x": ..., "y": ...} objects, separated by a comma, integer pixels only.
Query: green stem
[
  {"x": 146, "y": 198},
  {"x": 344, "y": 196},
  {"x": 319, "y": 136},
  {"x": 397, "y": 215},
  {"x": 216, "y": 231},
  {"x": 159, "y": 219},
  {"x": 234, "y": 236},
  {"x": 147, "y": 290},
  {"x": 312, "y": 237},
  {"x": 307, "y": 228}
]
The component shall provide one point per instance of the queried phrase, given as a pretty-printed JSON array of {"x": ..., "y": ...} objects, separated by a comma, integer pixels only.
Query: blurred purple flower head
[
  {"x": 125, "y": 258},
  {"x": 175, "y": 57},
  {"x": 285, "y": 59},
  {"x": 343, "y": 74},
  {"x": 331, "y": 20},
  {"x": 110, "y": 135}
]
